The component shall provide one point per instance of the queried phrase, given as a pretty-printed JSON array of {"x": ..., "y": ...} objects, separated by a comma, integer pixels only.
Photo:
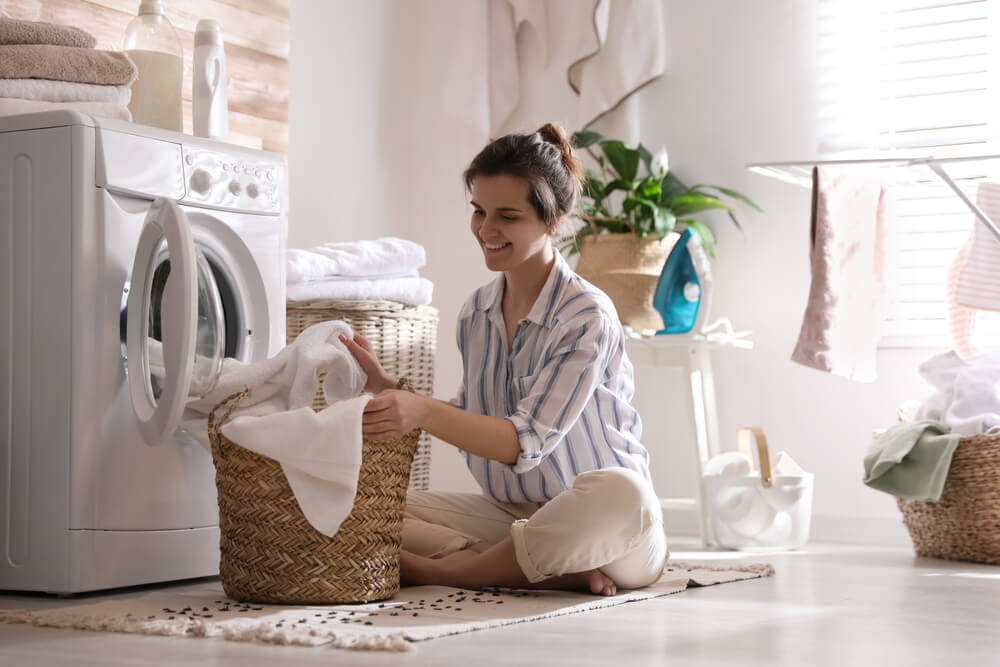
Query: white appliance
[{"x": 125, "y": 253}]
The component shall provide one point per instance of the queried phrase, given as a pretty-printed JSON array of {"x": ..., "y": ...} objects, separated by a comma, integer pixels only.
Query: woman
[{"x": 543, "y": 412}]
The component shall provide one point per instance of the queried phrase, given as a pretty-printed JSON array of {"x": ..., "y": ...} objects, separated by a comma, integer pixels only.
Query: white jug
[{"x": 209, "y": 101}]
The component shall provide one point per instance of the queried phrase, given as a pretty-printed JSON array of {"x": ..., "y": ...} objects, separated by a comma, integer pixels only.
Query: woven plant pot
[
  {"x": 964, "y": 524},
  {"x": 271, "y": 553},
  {"x": 404, "y": 339},
  {"x": 627, "y": 269}
]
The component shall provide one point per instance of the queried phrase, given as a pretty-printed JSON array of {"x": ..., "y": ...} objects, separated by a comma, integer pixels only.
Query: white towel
[
  {"x": 47, "y": 90},
  {"x": 411, "y": 291},
  {"x": 851, "y": 216},
  {"x": 966, "y": 394},
  {"x": 319, "y": 452},
  {"x": 286, "y": 381},
  {"x": 10, "y": 106},
  {"x": 379, "y": 257}
]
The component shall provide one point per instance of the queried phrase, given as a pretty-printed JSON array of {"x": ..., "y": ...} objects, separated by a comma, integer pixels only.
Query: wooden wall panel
[{"x": 256, "y": 37}]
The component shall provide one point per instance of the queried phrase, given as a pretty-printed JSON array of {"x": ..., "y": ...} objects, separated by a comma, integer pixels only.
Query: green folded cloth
[{"x": 911, "y": 460}]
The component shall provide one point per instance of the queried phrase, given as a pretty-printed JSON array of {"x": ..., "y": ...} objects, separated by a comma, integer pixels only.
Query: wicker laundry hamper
[
  {"x": 404, "y": 338},
  {"x": 271, "y": 553},
  {"x": 964, "y": 524}
]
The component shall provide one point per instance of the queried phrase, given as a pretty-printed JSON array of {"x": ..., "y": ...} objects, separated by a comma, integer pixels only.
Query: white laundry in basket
[{"x": 768, "y": 508}]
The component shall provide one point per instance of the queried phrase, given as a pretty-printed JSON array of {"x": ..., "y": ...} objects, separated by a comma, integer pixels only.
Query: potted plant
[{"x": 630, "y": 221}]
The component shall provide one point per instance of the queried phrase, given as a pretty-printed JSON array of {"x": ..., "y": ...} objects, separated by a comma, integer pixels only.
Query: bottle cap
[
  {"x": 150, "y": 7},
  {"x": 207, "y": 33}
]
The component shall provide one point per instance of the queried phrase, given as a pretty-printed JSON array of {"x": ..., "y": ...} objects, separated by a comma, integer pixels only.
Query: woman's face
[{"x": 505, "y": 223}]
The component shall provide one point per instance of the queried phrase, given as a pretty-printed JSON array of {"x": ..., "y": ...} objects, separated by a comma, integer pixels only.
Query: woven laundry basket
[
  {"x": 269, "y": 550},
  {"x": 404, "y": 338},
  {"x": 964, "y": 524}
]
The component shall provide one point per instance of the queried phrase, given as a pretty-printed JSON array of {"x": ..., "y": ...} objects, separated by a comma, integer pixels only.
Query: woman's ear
[{"x": 553, "y": 226}]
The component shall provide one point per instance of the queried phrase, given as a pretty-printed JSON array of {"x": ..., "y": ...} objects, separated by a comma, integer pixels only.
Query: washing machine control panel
[{"x": 232, "y": 181}]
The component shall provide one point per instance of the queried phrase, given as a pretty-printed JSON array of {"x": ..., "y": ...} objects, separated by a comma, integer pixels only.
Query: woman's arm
[{"x": 393, "y": 413}]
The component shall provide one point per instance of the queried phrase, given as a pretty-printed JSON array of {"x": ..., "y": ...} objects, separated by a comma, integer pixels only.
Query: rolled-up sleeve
[{"x": 560, "y": 389}]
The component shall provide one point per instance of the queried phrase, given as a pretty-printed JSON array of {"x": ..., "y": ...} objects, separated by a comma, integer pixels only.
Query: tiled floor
[{"x": 827, "y": 605}]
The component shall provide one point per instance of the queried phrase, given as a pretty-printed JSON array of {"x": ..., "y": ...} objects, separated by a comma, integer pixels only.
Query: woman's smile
[{"x": 495, "y": 247}]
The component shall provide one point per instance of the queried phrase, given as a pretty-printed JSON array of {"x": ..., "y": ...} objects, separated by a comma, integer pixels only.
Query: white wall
[{"x": 372, "y": 154}]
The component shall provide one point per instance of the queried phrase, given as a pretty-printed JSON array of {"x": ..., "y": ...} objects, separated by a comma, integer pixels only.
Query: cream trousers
[{"x": 611, "y": 519}]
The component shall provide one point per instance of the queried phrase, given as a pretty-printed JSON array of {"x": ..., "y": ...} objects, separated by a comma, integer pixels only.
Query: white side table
[{"x": 693, "y": 353}]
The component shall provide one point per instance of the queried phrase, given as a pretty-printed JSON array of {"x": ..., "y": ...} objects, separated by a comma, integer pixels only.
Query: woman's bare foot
[{"x": 492, "y": 566}]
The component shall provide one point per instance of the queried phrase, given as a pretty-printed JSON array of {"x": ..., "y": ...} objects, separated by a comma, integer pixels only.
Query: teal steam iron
[{"x": 683, "y": 292}]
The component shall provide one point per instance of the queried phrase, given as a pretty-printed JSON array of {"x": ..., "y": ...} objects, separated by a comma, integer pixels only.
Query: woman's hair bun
[{"x": 556, "y": 136}]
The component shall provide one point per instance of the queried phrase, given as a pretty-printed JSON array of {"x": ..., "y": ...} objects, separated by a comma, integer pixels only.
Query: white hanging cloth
[{"x": 567, "y": 61}]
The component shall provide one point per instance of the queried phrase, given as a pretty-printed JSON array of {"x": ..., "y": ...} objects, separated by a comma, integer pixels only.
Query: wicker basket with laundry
[
  {"x": 404, "y": 338},
  {"x": 964, "y": 524},
  {"x": 271, "y": 553}
]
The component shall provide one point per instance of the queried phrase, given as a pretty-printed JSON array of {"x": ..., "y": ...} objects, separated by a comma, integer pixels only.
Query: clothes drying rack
[{"x": 800, "y": 173}]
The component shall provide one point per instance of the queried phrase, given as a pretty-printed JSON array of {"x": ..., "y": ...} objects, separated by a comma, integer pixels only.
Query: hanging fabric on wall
[{"x": 566, "y": 61}]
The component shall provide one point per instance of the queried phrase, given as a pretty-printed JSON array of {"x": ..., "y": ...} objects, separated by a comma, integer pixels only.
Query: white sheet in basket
[{"x": 319, "y": 452}]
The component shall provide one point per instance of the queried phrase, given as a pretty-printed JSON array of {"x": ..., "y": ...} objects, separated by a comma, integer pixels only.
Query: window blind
[{"x": 916, "y": 78}]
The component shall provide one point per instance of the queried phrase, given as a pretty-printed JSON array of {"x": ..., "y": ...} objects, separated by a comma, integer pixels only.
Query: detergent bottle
[
  {"x": 152, "y": 44},
  {"x": 210, "y": 107}
]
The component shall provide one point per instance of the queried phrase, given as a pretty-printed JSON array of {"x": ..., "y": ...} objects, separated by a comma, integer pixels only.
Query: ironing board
[{"x": 695, "y": 354}]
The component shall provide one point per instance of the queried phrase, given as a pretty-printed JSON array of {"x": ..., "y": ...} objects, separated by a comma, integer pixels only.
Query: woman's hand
[
  {"x": 392, "y": 414},
  {"x": 378, "y": 380}
]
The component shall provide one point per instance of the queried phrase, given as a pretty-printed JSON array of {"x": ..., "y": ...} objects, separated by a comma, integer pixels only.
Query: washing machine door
[{"x": 175, "y": 335}]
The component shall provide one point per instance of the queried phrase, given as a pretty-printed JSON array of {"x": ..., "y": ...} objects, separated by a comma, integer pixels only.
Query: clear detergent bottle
[{"x": 152, "y": 44}]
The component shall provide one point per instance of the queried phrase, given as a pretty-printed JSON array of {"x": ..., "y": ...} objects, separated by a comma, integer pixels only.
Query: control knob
[
  {"x": 235, "y": 187},
  {"x": 201, "y": 181},
  {"x": 253, "y": 191}
]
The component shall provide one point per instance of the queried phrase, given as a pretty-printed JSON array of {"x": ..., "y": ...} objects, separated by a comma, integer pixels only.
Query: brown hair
[{"x": 545, "y": 159}]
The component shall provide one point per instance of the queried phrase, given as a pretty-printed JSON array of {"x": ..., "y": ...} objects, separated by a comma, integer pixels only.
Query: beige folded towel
[
  {"x": 10, "y": 107},
  {"x": 14, "y": 31},
  {"x": 45, "y": 90},
  {"x": 65, "y": 63}
]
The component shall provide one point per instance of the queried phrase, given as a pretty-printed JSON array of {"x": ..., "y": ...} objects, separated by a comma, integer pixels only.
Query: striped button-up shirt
[{"x": 565, "y": 384}]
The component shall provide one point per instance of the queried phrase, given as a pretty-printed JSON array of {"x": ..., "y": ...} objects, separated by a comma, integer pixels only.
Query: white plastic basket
[{"x": 759, "y": 510}]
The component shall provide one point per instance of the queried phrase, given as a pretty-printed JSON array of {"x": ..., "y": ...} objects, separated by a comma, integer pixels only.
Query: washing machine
[{"x": 133, "y": 260}]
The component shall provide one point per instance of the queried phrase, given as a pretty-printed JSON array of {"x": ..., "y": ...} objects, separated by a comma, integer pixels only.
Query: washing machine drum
[{"x": 175, "y": 332}]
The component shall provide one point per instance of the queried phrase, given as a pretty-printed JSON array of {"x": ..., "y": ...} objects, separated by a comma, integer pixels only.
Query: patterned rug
[{"x": 414, "y": 614}]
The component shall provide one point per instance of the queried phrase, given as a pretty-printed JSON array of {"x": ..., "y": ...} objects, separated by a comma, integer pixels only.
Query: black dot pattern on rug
[{"x": 451, "y": 606}]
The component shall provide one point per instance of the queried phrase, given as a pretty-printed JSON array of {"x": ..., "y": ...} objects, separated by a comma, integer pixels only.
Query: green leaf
[
  {"x": 646, "y": 156},
  {"x": 705, "y": 235},
  {"x": 671, "y": 186},
  {"x": 691, "y": 202},
  {"x": 735, "y": 221},
  {"x": 593, "y": 186},
  {"x": 617, "y": 184},
  {"x": 585, "y": 138},
  {"x": 649, "y": 188},
  {"x": 734, "y": 194},
  {"x": 624, "y": 160}
]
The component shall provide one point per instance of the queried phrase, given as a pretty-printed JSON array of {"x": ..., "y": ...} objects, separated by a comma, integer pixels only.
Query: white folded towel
[
  {"x": 319, "y": 452},
  {"x": 380, "y": 257},
  {"x": 286, "y": 381},
  {"x": 411, "y": 291},
  {"x": 47, "y": 90},
  {"x": 10, "y": 106}
]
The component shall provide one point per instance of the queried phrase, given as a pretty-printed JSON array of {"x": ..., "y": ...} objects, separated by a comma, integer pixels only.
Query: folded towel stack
[
  {"x": 380, "y": 270},
  {"x": 44, "y": 66}
]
